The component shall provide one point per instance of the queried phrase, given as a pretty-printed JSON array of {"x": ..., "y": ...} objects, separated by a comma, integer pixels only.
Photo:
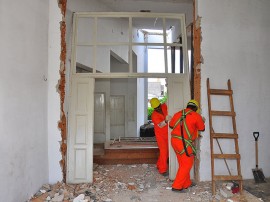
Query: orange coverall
[
  {"x": 194, "y": 123},
  {"x": 162, "y": 138}
]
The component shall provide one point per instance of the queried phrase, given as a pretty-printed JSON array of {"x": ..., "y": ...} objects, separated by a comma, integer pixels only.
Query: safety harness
[{"x": 186, "y": 142}]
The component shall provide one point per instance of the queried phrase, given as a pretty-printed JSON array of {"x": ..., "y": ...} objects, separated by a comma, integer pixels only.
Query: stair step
[
  {"x": 220, "y": 92},
  {"x": 223, "y": 113},
  {"x": 128, "y": 156},
  {"x": 224, "y": 135},
  {"x": 226, "y": 156}
]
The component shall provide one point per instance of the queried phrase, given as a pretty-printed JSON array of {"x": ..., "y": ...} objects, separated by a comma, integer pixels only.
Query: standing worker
[
  {"x": 185, "y": 125},
  {"x": 160, "y": 119}
]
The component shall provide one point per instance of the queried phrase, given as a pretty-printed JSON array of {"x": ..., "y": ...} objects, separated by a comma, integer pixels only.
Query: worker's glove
[
  {"x": 162, "y": 124},
  {"x": 168, "y": 118}
]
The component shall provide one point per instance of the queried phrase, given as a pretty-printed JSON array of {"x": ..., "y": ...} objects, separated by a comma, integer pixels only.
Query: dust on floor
[
  {"x": 260, "y": 190},
  {"x": 134, "y": 183}
]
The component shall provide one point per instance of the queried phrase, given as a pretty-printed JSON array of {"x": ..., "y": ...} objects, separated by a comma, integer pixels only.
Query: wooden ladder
[{"x": 216, "y": 136}]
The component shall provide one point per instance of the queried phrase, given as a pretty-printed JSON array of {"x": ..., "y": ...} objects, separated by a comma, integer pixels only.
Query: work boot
[
  {"x": 192, "y": 185},
  {"x": 165, "y": 174},
  {"x": 178, "y": 190}
]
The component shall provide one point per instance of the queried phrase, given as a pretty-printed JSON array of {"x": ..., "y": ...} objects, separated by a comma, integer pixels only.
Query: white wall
[
  {"x": 236, "y": 46},
  {"x": 54, "y": 134},
  {"x": 23, "y": 98}
]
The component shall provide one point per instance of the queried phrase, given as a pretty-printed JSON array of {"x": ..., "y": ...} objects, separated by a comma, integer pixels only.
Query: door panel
[
  {"x": 117, "y": 116},
  {"x": 178, "y": 96},
  {"x": 99, "y": 118},
  {"x": 99, "y": 115},
  {"x": 80, "y": 140}
]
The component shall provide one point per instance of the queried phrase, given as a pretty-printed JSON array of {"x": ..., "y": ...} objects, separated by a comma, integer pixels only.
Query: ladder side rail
[
  {"x": 236, "y": 140},
  {"x": 234, "y": 126},
  {"x": 211, "y": 138}
]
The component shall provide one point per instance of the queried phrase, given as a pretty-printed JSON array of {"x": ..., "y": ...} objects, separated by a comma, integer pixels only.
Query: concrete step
[{"x": 127, "y": 156}]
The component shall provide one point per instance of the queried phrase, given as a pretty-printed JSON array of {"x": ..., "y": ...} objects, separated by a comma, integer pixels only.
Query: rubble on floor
[{"x": 135, "y": 183}]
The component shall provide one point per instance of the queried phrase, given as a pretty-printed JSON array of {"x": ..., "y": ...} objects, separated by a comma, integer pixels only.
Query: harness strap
[{"x": 188, "y": 141}]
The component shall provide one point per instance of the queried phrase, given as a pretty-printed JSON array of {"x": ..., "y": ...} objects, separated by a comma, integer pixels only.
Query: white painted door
[
  {"x": 178, "y": 96},
  {"x": 117, "y": 116},
  {"x": 99, "y": 117},
  {"x": 80, "y": 140}
]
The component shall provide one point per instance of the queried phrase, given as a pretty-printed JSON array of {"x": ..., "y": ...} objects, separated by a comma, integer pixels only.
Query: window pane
[
  {"x": 84, "y": 59},
  {"x": 112, "y": 59},
  {"x": 85, "y": 30},
  {"x": 174, "y": 30},
  {"x": 112, "y": 30},
  {"x": 150, "y": 28},
  {"x": 156, "y": 62}
]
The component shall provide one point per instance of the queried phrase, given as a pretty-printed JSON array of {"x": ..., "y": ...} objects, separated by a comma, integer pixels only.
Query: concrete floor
[{"x": 260, "y": 190}]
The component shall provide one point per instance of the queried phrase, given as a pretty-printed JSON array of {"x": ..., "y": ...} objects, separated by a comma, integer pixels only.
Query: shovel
[{"x": 257, "y": 172}]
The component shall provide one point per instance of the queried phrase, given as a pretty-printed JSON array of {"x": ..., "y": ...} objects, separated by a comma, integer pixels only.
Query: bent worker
[
  {"x": 160, "y": 119},
  {"x": 185, "y": 125}
]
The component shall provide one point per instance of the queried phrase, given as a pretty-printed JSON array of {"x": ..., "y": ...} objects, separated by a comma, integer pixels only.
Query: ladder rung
[
  {"x": 220, "y": 92},
  {"x": 226, "y": 156},
  {"x": 224, "y": 135},
  {"x": 227, "y": 177},
  {"x": 222, "y": 113}
]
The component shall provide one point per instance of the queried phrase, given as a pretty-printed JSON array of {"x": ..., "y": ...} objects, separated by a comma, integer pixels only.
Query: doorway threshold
[{"x": 132, "y": 143}]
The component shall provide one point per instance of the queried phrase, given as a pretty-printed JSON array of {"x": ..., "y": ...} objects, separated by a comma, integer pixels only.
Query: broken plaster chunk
[
  {"x": 145, "y": 165},
  {"x": 58, "y": 198},
  {"x": 229, "y": 185},
  {"x": 42, "y": 191},
  {"x": 46, "y": 186},
  {"x": 217, "y": 197},
  {"x": 48, "y": 198},
  {"x": 225, "y": 193},
  {"x": 79, "y": 198}
]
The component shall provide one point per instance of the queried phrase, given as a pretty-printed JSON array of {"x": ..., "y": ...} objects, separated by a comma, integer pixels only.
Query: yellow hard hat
[
  {"x": 194, "y": 103},
  {"x": 154, "y": 102}
]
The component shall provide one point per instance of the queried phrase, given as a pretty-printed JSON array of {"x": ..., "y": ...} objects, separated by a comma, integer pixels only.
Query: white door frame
[{"x": 80, "y": 147}]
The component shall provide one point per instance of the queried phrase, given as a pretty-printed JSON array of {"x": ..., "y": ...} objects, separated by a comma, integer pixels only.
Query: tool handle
[
  {"x": 256, "y": 135},
  {"x": 257, "y": 161}
]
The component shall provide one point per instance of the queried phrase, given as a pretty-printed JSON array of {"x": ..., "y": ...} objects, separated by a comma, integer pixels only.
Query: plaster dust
[{"x": 135, "y": 183}]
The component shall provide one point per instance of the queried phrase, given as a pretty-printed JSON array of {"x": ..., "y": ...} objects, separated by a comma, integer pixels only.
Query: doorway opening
[{"x": 110, "y": 87}]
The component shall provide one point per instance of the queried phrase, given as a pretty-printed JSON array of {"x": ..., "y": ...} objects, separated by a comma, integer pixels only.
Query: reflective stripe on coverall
[
  {"x": 194, "y": 123},
  {"x": 162, "y": 138}
]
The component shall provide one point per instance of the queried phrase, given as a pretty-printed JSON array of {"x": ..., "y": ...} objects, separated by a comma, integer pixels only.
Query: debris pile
[{"x": 123, "y": 183}]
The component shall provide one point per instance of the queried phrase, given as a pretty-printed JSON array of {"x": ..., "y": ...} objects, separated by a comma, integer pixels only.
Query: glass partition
[{"x": 143, "y": 43}]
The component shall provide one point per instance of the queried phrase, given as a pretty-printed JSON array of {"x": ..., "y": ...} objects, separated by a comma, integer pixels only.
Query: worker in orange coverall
[
  {"x": 160, "y": 119},
  {"x": 185, "y": 125}
]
